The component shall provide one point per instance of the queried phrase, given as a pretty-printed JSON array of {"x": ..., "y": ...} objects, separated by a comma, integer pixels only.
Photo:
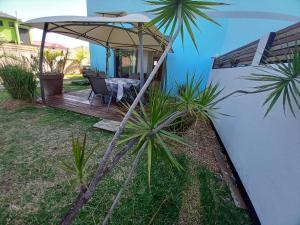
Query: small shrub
[
  {"x": 19, "y": 81},
  {"x": 78, "y": 167}
]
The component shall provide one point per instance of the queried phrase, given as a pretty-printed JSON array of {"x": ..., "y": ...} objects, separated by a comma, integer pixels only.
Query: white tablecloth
[{"x": 119, "y": 85}]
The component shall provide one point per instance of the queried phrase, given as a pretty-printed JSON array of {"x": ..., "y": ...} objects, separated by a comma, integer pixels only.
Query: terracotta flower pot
[{"x": 53, "y": 83}]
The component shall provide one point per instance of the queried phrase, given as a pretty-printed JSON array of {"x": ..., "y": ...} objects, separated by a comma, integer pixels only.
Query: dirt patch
[
  {"x": 203, "y": 142},
  {"x": 5, "y": 182},
  {"x": 13, "y": 105}
]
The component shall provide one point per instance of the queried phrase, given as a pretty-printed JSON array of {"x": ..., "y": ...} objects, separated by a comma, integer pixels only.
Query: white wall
[{"x": 264, "y": 151}]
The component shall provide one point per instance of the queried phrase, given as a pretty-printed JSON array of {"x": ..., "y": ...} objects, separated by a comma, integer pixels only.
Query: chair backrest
[
  {"x": 90, "y": 72},
  {"x": 98, "y": 85}
]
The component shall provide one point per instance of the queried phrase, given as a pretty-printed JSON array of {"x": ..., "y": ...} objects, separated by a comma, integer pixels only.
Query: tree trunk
[{"x": 84, "y": 197}]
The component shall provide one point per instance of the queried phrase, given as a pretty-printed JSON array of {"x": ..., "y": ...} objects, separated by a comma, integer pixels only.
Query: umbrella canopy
[{"x": 113, "y": 32}]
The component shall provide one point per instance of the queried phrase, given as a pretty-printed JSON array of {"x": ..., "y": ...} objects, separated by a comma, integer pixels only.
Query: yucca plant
[
  {"x": 78, "y": 167},
  {"x": 198, "y": 102},
  {"x": 168, "y": 14},
  {"x": 282, "y": 80},
  {"x": 187, "y": 100},
  {"x": 150, "y": 128},
  {"x": 207, "y": 99}
]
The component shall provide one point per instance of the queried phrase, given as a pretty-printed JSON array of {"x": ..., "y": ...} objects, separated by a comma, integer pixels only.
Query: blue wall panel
[{"x": 212, "y": 40}]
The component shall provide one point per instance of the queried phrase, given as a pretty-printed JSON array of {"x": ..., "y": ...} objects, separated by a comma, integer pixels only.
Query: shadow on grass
[{"x": 217, "y": 206}]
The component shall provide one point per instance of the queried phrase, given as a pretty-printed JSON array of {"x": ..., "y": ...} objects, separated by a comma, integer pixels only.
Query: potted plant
[
  {"x": 53, "y": 77},
  {"x": 218, "y": 62}
]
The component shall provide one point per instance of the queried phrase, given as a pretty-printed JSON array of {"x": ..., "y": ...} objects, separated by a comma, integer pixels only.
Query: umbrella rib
[
  {"x": 73, "y": 32},
  {"x": 84, "y": 35},
  {"x": 114, "y": 43},
  {"x": 89, "y": 24},
  {"x": 154, "y": 36},
  {"x": 150, "y": 33},
  {"x": 129, "y": 35},
  {"x": 109, "y": 35}
]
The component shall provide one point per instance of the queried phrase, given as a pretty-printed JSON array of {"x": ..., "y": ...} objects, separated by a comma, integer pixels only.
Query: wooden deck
[{"x": 78, "y": 102}]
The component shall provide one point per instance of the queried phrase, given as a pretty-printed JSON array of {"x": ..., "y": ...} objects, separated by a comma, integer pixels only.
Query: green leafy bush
[{"x": 19, "y": 81}]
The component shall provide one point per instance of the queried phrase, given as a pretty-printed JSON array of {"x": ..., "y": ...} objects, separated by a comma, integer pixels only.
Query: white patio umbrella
[
  {"x": 124, "y": 32},
  {"x": 116, "y": 32}
]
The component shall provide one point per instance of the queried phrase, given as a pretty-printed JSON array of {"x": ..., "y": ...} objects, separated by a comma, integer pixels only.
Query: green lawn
[
  {"x": 73, "y": 77},
  {"x": 34, "y": 190},
  {"x": 69, "y": 84}
]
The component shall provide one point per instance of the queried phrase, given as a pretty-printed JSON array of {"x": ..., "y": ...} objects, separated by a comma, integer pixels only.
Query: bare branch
[{"x": 123, "y": 188}]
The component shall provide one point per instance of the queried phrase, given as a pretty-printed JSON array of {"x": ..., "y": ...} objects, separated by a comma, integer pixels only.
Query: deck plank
[{"x": 78, "y": 102}]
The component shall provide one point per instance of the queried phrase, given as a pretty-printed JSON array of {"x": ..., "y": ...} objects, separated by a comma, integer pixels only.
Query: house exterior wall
[
  {"x": 12, "y": 34},
  {"x": 264, "y": 151},
  {"x": 212, "y": 40},
  {"x": 9, "y": 34}
]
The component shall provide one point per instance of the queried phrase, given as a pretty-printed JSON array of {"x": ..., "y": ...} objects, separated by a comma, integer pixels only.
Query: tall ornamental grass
[{"x": 19, "y": 81}]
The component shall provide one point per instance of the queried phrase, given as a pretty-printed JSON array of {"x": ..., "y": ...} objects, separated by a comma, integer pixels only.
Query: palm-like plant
[
  {"x": 150, "y": 129},
  {"x": 80, "y": 55},
  {"x": 199, "y": 102},
  {"x": 77, "y": 168},
  {"x": 281, "y": 80},
  {"x": 55, "y": 60},
  {"x": 169, "y": 14}
]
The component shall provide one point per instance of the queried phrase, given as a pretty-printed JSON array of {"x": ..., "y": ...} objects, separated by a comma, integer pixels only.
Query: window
[
  {"x": 1, "y": 23},
  {"x": 11, "y": 24},
  {"x": 126, "y": 63}
]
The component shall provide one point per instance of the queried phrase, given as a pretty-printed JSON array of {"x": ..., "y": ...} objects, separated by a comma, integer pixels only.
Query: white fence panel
[{"x": 264, "y": 151}]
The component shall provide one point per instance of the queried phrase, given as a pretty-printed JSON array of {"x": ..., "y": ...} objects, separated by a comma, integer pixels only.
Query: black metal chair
[
  {"x": 99, "y": 88},
  {"x": 130, "y": 94}
]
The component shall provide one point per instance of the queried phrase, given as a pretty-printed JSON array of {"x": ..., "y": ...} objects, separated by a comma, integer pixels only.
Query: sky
[{"x": 30, "y": 9}]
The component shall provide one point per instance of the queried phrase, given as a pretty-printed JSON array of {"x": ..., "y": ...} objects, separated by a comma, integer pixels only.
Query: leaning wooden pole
[
  {"x": 42, "y": 61},
  {"x": 84, "y": 197},
  {"x": 141, "y": 54},
  {"x": 125, "y": 185},
  {"x": 107, "y": 52}
]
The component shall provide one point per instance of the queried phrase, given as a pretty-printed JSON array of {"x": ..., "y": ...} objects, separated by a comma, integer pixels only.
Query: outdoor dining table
[{"x": 120, "y": 85}]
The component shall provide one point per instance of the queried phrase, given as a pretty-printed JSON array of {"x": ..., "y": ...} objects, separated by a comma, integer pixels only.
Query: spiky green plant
[
  {"x": 198, "y": 101},
  {"x": 170, "y": 14},
  {"x": 282, "y": 80},
  {"x": 150, "y": 128},
  {"x": 167, "y": 15},
  {"x": 55, "y": 60},
  {"x": 78, "y": 167},
  {"x": 206, "y": 100},
  {"x": 80, "y": 55}
]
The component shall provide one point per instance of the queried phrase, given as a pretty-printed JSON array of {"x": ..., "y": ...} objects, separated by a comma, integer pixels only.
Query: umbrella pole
[
  {"x": 107, "y": 54},
  {"x": 141, "y": 54},
  {"x": 41, "y": 62}
]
